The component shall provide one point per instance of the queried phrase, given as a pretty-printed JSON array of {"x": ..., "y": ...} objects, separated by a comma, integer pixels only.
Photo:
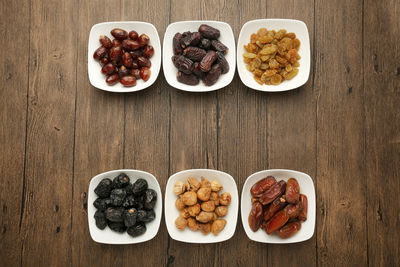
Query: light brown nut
[
  {"x": 205, "y": 228},
  {"x": 205, "y": 183},
  {"x": 192, "y": 184},
  {"x": 221, "y": 211},
  {"x": 215, "y": 186},
  {"x": 214, "y": 196},
  {"x": 217, "y": 226},
  {"x": 189, "y": 198},
  {"x": 225, "y": 199},
  {"x": 205, "y": 216},
  {"x": 180, "y": 223},
  {"x": 208, "y": 206},
  {"x": 179, "y": 204},
  {"x": 179, "y": 188},
  {"x": 194, "y": 210},
  {"x": 204, "y": 194},
  {"x": 185, "y": 213}
]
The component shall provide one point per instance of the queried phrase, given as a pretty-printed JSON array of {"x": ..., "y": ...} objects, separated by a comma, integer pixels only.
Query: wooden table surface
[{"x": 341, "y": 127}]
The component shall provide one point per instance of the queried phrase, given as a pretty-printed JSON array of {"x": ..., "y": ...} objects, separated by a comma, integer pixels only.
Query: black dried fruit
[
  {"x": 121, "y": 181},
  {"x": 190, "y": 38},
  {"x": 100, "y": 218},
  {"x": 150, "y": 198},
  {"x": 208, "y": 60},
  {"x": 176, "y": 43},
  {"x": 194, "y": 53},
  {"x": 139, "y": 187},
  {"x": 137, "y": 230},
  {"x": 145, "y": 216},
  {"x": 131, "y": 201},
  {"x": 197, "y": 71},
  {"x": 209, "y": 32},
  {"x": 117, "y": 197},
  {"x": 128, "y": 189},
  {"x": 117, "y": 226},
  {"x": 212, "y": 76},
  {"x": 223, "y": 63},
  {"x": 183, "y": 64},
  {"x": 151, "y": 215},
  {"x": 103, "y": 189},
  {"x": 102, "y": 203},
  {"x": 189, "y": 79},
  {"x": 130, "y": 217},
  {"x": 114, "y": 214},
  {"x": 218, "y": 46},
  {"x": 205, "y": 43}
]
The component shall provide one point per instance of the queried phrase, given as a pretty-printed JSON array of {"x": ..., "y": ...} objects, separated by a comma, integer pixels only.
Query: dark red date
[
  {"x": 148, "y": 51},
  {"x": 116, "y": 42},
  {"x": 273, "y": 208},
  {"x": 128, "y": 81},
  {"x": 108, "y": 69},
  {"x": 183, "y": 64},
  {"x": 135, "y": 73},
  {"x": 145, "y": 73},
  {"x": 133, "y": 35},
  {"x": 104, "y": 60},
  {"x": 127, "y": 60},
  {"x": 143, "y": 40},
  {"x": 212, "y": 76},
  {"x": 289, "y": 229},
  {"x": 292, "y": 191},
  {"x": 208, "y": 60},
  {"x": 100, "y": 53},
  {"x": 194, "y": 53},
  {"x": 130, "y": 45},
  {"x": 205, "y": 43},
  {"x": 137, "y": 53},
  {"x": 272, "y": 193},
  {"x": 123, "y": 71},
  {"x": 143, "y": 62},
  {"x": 112, "y": 79},
  {"x": 105, "y": 41},
  {"x": 256, "y": 216},
  {"x": 115, "y": 53},
  {"x": 197, "y": 71},
  {"x": 189, "y": 79},
  {"x": 261, "y": 186},
  {"x": 304, "y": 205},
  {"x": 218, "y": 46},
  {"x": 176, "y": 43},
  {"x": 293, "y": 210},
  {"x": 209, "y": 32},
  {"x": 119, "y": 34},
  {"x": 276, "y": 222},
  {"x": 223, "y": 63}
]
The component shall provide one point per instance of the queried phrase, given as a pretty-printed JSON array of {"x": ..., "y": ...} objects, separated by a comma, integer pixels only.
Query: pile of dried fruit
[
  {"x": 277, "y": 206},
  {"x": 200, "y": 205},
  {"x": 199, "y": 55},
  {"x": 126, "y": 58},
  {"x": 272, "y": 56},
  {"x": 124, "y": 206}
]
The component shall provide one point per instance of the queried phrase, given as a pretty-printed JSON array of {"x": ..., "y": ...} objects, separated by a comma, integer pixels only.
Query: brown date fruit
[
  {"x": 143, "y": 40},
  {"x": 277, "y": 221},
  {"x": 293, "y": 210},
  {"x": 208, "y": 60},
  {"x": 115, "y": 53},
  {"x": 116, "y": 42},
  {"x": 209, "y": 32},
  {"x": 119, "y": 34},
  {"x": 112, "y": 79},
  {"x": 133, "y": 35},
  {"x": 123, "y": 71},
  {"x": 194, "y": 53},
  {"x": 189, "y": 79},
  {"x": 105, "y": 41},
  {"x": 223, "y": 63},
  {"x": 218, "y": 46},
  {"x": 263, "y": 185},
  {"x": 148, "y": 51},
  {"x": 205, "y": 43},
  {"x": 292, "y": 191},
  {"x": 137, "y": 53},
  {"x": 273, "y": 208},
  {"x": 289, "y": 229},
  {"x": 176, "y": 43},
  {"x": 190, "y": 39},
  {"x": 104, "y": 60},
  {"x": 183, "y": 64},
  {"x": 127, "y": 60},
  {"x": 100, "y": 53},
  {"x": 256, "y": 216},
  {"x": 130, "y": 45},
  {"x": 108, "y": 69},
  {"x": 197, "y": 71},
  {"x": 212, "y": 76},
  {"x": 143, "y": 62},
  {"x": 145, "y": 73},
  {"x": 128, "y": 81},
  {"x": 135, "y": 73},
  {"x": 135, "y": 64},
  {"x": 304, "y": 205},
  {"x": 275, "y": 191}
]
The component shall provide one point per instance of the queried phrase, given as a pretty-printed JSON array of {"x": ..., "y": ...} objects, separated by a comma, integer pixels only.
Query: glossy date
[
  {"x": 261, "y": 186},
  {"x": 275, "y": 191}
]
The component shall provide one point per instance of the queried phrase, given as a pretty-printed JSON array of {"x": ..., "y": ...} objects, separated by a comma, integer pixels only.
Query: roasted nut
[
  {"x": 214, "y": 196},
  {"x": 221, "y": 211},
  {"x": 205, "y": 183},
  {"x": 215, "y": 186},
  {"x": 185, "y": 213},
  {"x": 193, "y": 225},
  {"x": 205, "y": 216},
  {"x": 217, "y": 226},
  {"x": 204, "y": 193},
  {"x": 205, "y": 228},
  {"x": 208, "y": 206},
  {"x": 192, "y": 184},
  {"x": 181, "y": 223},
  {"x": 179, "y": 188},
  {"x": 179, "y": 204},
  {"x": 194, "y": 210},
  {"x": 189, "y": 198},
  {"x": 225, "y": 199}
]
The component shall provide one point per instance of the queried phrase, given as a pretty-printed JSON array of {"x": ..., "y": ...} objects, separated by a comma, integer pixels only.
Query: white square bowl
[
  {"x": 171, "y": 213},
  {"x": 107, "y": 236},
  {"x": 97, "y": 79},
  {"x": 226, "y": 38},
  {"x": 301, "y": 31},
  {"x": 306, "y": 188}
]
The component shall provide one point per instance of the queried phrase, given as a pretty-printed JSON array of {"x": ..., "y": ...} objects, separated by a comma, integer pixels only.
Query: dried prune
[
  {"x": 194, "y": 53},
  {"x": 292, "y": 191},
  {"x": 223, "y": 63},
  {"x": 102, "y": 203},
  {"x": 205, "y": 43},
  {"x": 145, "y": 216},
  {"x": 103, "y": 189},
  {"x": 114, "y": 214},
  {"x": 117, "y": 226},
  {"x": 275, "y": 191},
  {"x": 218, "y": 46},
  {"x": 212, "y": 76},
  {"x": 121, "y": 180},
  {"x": 137, "y": 230},
  {"x": 117, "y": 196},
  {"x": 208, "y": 60},
  {"x": 176, "y": 43},
  {"x": 131, "y": 201},
  {"x": 189, "y": 79},
  {"x": 130, "y": 216},
  {"x": 255, "y": 216},
  {"x": 209, "y": 32},
  {"x": 101, "y": 221},
  {"x": 197, "y": 71},
  {"x": 183, "y": 64},
  {"x": 261, "y": 186},
  {"x": 150, "y": 198},
  {"x": 139, "y": 187}
]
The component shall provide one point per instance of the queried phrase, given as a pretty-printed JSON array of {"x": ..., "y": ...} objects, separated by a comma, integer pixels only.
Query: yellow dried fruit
[
  {"x": 189, "y": 198},
  {"x": 179, "y": 204},
  {"x": 217, "y": 226},
  {"x": 192, "y": 184},
  {"x": 179, "y": 188},
  {"x": 291, "y": 74},
  {"x": 276, "y": 79},
  {"x": 216, "y": 186},
  {"x": 192, "y": 224},
  {"x": 181, "y": 223},
  {"x": 204, "y": 194},
  {"x": 205, "y": 182},
  {"x": 249, "y": 55},
  {"x": 221, "y": 211},
  {"x": 208, "y": 206},
  {"x": 225, "y": 199},
  {"x": 193, "y": 210}
]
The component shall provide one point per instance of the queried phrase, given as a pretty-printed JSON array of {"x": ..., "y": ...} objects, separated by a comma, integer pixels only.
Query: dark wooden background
[{"x": 57, "y": 132}]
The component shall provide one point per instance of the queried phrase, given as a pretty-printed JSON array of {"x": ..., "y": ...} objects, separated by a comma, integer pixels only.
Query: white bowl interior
[
  {"x": 107, "y": 236},
  {"x": 306, "y": 188},
  {"x": 97, "y": 79},
  {"x": 296, "y": 26},
  {"x": 170, "y": 70},
  {"x": 171, "y": 213}
]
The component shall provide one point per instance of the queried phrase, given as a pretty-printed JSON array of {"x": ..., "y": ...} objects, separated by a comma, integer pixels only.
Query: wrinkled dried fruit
[
  {"x": 112, "y": 79},
  {"x": 208, "y": 60},
  {"x": 139, "y": 187},
  {"x": 194, "y": 53},
  {"x": 145, "y": 73},
  {"x": 223, "y": 63},
  {"x": 189, "y": 198},
  {"x": 205, "y": 228},
  {"x": 292, "y": 191},
  {"x": 255, "y": 216},
  {"x": 102, "y": 203},
  {"x": 218, "y": 46},
  {"x": 272, "y": 193},
  {"x": 127, "y": 60},
  {"x": 150, "y": 198},
  {"x": 137, "y": 230},
  {"x": 181, "y": 223},
  {"x": 208, "y": 205},
  {"x": 135, "y": 73},
  {"x": 225, "y": 199},
  {"x": 115, "y": 53},
  {"x": 100, "y": 53},
  {"x": 103, "y": 189},
  {"x": 179, "y": 188},
  {"x": 205, "y": 217},
  {"x": 123, "y": 71},
  {"x": 289, "y": 229},
  {"x": 130, "y": 217},
  {"x": 105, "y": 41},
  {"x": 114, "y": 214},
  {"x": 273, "y": 208},
  {"x": 276, "y": 222},
  {"x": 192, "y": 184},
  {"x": 209, "y": 32},
  {"x": 196, "y": 70},
  {"x": 117, "y": 196},
  {"x": 192, "y": 224},
  {"x": 143, "y": 39},
  {"x": 216, "y": 186},
  {"x": 217, "y": 226},
  {"x": 212, "y": 76},
  {"x": 148, "y": 51},
  {"x": 304, "y": 205},
  {"x": 293, "y": 210},
  {"x": 183, "y": 64},
  {"x": 179, "y": 204},
  {"x": 193, "y": 210},
  {"x": 101, "y": 221},
  {"x": 221, "y": 211},
  {"x": 133, "y": 35},
  {"x": 189, "y": 79},
  {"x": 176, "y": 44},
  {"x": 130, "y": 45},
  {"x": 205, "y": 44},
  {"x": 117, "y": 226},
  {"x": 143, "y": 62},
  {"x": 119, "y": 34},
  {"x": 261, "y": 186},
  {"x": 204, "y": 194}
]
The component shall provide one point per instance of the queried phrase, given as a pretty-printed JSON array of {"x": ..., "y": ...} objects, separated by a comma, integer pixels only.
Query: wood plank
[
  {"x": 13, "y": 91},
  {"x": 341, "y": 213},
  {"x": 99, "y": 140},
  {"x": 382, "y": 122},
  {"x": 46, "y": 225},
  {"x": 292, "y": 128}
]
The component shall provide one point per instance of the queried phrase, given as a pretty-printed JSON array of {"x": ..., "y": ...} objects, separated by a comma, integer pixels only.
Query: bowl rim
[{"x": 151, "y": 236}]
